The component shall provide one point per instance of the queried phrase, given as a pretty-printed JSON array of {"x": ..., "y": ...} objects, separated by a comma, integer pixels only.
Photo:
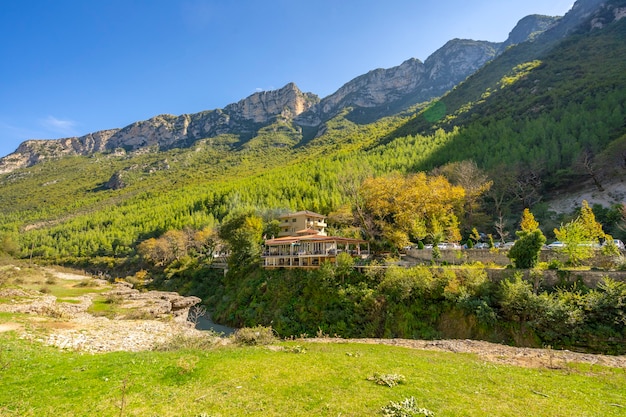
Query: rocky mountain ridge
[{"x": 388, "y": 90}]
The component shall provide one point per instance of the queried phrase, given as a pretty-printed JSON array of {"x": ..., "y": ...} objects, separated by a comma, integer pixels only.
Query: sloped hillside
[{"x": 541, "y": 118}]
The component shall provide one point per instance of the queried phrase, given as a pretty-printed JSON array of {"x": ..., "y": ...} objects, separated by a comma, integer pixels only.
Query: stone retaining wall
[
  {"x": 552, "y": 278},
  {"x": 547, "y": 278},
  {"x": 498, "y": 257}
]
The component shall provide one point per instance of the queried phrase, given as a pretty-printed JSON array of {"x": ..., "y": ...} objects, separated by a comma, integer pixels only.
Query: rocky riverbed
[
  {"x": 138, "y": 320},
  {"x": 163, "y": 318}
]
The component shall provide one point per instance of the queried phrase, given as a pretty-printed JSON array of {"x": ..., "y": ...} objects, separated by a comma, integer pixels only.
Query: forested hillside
[{"x": 540, "y": 119}]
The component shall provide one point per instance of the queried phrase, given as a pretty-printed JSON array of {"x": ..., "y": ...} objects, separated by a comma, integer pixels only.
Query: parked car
[
  {"x": 620, "y": 245},
  {"x": 447, "y": 245},
  {"x": 507, "y": 245},
  {"x": 481, "y": 245},
  {"x": 556, "y": 245}
]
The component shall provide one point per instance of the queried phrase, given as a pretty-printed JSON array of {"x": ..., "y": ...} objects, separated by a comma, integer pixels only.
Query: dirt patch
[
  {"x": 8, "y": 327},
  {"x": 493, "y": 352},
  {"x": 614, "y": 193},
  {"x": 57, "y": 325},
  {"x": 67, "y": 275}
]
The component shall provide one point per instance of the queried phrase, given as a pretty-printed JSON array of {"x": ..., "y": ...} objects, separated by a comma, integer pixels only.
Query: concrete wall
[{"x": 547, "y": 278}]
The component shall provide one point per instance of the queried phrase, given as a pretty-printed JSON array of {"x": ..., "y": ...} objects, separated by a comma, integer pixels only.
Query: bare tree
[
  {"x": 587, "y": 162},
  {"x": 195, "y": 313},
  {"x": 528, "y": 186},
  {"x": 500, "y": 227}
]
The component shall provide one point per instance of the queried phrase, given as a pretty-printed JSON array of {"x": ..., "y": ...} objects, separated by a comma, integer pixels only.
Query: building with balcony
[
  {"x": 302, "y": 222},
  {"x": 303, "y": 243}
]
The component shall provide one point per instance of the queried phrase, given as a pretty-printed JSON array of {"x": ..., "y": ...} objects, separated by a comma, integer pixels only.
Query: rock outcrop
[
  {"x": 167, "y": 131},
  {"x": 262, "y": 107},
  {"x": 153, "y": 304},
  {"x": 528, "y": 29}
]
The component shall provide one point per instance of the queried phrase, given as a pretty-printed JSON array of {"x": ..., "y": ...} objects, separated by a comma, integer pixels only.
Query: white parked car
[
  {"x": 446, "y": 245},
  {"x": 556, "y": 245},
  {"x": 620, "y": 245}
]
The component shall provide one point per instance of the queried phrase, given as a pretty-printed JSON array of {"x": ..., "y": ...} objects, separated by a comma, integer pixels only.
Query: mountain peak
[
  {"x": 262, "y": 106},
  {"x": 529, "y": 27}
]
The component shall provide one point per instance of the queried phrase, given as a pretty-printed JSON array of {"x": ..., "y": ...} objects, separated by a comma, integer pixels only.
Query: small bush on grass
[
  {"x": 406, "y": 408},
  {"x": 114, "y": 299},
  {"x": 390, "y": 380},
  {"x": 258, "y": 335},
  {"x": 86, "y": 283},
  {"x": 186, "y": 364},
  {"x": 296, "y": 349}
]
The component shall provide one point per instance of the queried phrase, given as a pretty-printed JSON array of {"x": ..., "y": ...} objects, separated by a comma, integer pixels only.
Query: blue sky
[{"x": 71, "y": 67}]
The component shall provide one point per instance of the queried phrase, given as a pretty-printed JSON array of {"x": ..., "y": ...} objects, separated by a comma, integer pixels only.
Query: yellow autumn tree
[
  {"x": 528, "y": 223},
  {"x": 406, "y": 208},
  {"x": 592, "y": 227},
  {"x": 580, "y": 235}
]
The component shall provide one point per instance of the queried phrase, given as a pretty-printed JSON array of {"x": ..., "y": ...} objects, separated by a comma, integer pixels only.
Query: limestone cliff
[
  {"x": 167, "y": 131},
  {"x": 380, "y": 92}
]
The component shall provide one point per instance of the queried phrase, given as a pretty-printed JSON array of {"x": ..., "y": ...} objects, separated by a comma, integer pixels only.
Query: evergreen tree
[
  {"x": 243, "y": 234},
  {"x": 525, "y": 251}
]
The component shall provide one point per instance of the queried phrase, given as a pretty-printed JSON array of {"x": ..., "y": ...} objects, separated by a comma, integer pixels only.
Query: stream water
[{"x": 205, "y": 323}]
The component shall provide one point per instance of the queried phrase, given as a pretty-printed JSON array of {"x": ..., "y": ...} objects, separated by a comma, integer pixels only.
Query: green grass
[
  {"x": 327, "y": 380},
  {"x": 111, "y": 308},
  {"x": 36, "y": 279}
]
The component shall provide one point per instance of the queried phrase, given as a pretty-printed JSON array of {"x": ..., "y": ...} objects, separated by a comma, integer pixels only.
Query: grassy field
[
  {"x": 286, "y": 378},
  {"x": 291, "y": 379}
]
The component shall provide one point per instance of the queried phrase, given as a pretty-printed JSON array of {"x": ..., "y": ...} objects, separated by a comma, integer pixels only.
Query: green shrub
[
  {"x": 390, "y": 380},
  {"x": 406, "y": 408},
  {"x": 404, "y": 283},
  {"x": 525, "y": 251},
  {"x": 258, "y": 335},
  {"x": 518, "y": 302},
  {"x": 114, "y": 299},
  {"x": 555, "y": 264}
]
